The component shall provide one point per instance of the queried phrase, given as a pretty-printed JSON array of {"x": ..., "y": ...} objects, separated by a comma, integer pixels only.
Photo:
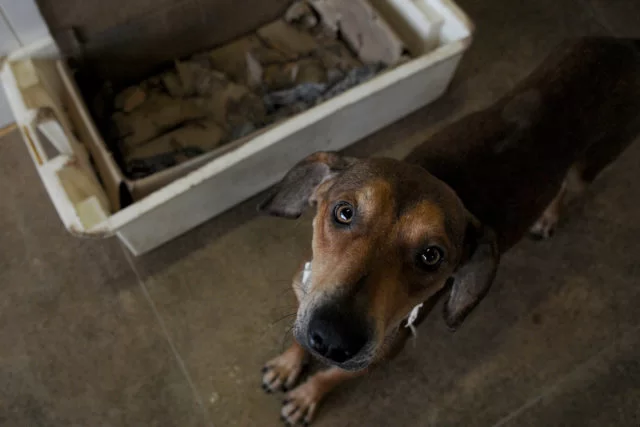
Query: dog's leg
[
  {"x": 546, "y": 225},
  {"x": 573, "y": 185},
  {"x": 597, "y": 157},
  {"x": 300, "y": 404},
  {"x": 283, "y": 372}
]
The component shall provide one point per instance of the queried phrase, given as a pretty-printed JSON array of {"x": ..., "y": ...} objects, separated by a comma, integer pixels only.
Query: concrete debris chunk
[
  {"x": 230, "y": 59},
  {"x": 172, "y": 84},
  {"x": 230, "y": 102},
  {"x": 255, "y": 71},
  {"x": 199, "y": 80},
  {"x": 353, "y": 78},
  {"x": 174, "y": 148},
  {"x": 288, "y": 39},
  {"x": 247, "y": 109},
  {"x": 335, "y": 55},
  {"x": 301, "y": 13},
  {"x": 307, "y": 93},
  {"x": 206, "y": 135},
  {"x": 362, "y": 28},
  {"x": 310, "y": 70},
  {"x": 232, "y": 91},
  {"x": 311, "y": 94},
  {"x": 157, "y": 115},
  {"x": 129, "y": 99},
  {"x": 280, "y": 76}
]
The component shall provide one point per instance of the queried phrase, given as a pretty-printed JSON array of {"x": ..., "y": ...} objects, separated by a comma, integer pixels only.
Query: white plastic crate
[{"x": 47, "y": 109}]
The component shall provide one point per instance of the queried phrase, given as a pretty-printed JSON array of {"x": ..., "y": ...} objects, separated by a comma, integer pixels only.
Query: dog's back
[{"x": 507, "y": 162}]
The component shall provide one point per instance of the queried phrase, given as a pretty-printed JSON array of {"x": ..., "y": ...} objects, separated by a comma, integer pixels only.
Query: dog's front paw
[
  {"x": 283, "y": 372},
  {"x": 299, "y": 405},
  {"x": 545, "y": 226}
]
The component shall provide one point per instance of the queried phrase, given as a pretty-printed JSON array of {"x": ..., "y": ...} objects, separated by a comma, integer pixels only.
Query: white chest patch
[
  {"x": 306, "y": 272},
  {"x": 413, "y": 316}
]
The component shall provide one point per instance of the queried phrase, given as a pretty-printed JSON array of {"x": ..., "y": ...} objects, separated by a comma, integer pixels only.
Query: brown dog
[{"x": 389, "y": 234}]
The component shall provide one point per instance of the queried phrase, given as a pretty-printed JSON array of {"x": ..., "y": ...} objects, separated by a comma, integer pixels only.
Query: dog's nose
[{"x": 335, "y": 338}]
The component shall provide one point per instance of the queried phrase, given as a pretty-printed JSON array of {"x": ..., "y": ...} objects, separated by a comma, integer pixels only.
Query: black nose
[{"x": 335, "y": 337}]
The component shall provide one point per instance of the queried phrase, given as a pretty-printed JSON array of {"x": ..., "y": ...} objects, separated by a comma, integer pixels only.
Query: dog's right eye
[
  {"x": 430, "y": 258},
  {"x": 343, "y": 213}
]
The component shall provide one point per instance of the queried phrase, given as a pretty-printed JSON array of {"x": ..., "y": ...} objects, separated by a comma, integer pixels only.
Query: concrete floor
[{"x": 92, "y": 337}]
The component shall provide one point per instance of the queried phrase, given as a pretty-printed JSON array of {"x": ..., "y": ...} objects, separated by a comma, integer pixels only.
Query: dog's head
[{"x": 387, "y": 236}]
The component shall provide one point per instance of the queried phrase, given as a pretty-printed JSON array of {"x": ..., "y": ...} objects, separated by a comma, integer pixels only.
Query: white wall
[{"x": 20, "y": 25}]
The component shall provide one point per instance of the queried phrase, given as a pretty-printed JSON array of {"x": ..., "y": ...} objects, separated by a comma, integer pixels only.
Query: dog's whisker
[
  {"x": 284, "y": 337},
  {"x": 280, "y": 319},
  {"x": 300, "y": 289}
]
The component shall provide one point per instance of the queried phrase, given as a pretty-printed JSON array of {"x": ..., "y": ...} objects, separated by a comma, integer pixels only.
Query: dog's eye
[
  {"x": 431, "y": 257},
  {"x": 343, "y": 213}
]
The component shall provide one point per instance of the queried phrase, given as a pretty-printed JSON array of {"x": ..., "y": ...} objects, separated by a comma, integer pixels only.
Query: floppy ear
[
  {"x": 474, "y": 276},
  {"x": 293, "y": 194}
]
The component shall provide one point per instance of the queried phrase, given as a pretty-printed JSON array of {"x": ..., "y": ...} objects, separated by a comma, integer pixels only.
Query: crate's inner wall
[{"x": 126, "y": 40}]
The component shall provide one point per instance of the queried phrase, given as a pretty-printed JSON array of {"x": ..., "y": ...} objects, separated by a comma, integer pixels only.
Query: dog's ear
[
  {"x": 293, "y": 194},
  {"x": 474, "y": 275}
]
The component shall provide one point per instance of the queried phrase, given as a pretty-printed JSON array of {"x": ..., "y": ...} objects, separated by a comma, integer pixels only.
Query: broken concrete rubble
[
  {"x": 362, "y": 28},
  {"x": 301, "y": 13},
  {"x": 306, "y": 95},
  {"x": 336, "y": 56},
  {"x": 310, "y": 70},
  {"x": 215, "y": 97},
  {"x": 158, "y": 114},
  {"x": 205, "y": 135},
  {"x": 255, "y": 72},
  {"x": 197, "y": 78},
  {"x": 130, "y": 98},
  {"x": 174, "y": 148},
  {"x": 230, "y": 59},
  {"x": 172, "y": 84},
  {"x": 287, "y": 39}
]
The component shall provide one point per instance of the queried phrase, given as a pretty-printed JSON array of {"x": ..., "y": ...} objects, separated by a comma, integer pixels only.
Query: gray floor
[{"x": 92, "y": 337}]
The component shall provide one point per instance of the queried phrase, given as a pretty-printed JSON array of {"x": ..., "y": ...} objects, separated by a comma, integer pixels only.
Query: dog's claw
[
  {"x": 282, "y": 373},
  {"x": 300, "y": 404},
  {"x": 545, "y": 226},
  {"x": 542, "y": 231}
]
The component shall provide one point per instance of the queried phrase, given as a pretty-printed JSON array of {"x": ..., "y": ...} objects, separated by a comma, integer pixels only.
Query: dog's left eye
[
  {"x": 431, "y": 257},
  {"x": 343, "y": 213}
]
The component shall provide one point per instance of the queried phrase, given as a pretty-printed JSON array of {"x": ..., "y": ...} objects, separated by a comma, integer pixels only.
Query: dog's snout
[{"x": 333, "y": 336}]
